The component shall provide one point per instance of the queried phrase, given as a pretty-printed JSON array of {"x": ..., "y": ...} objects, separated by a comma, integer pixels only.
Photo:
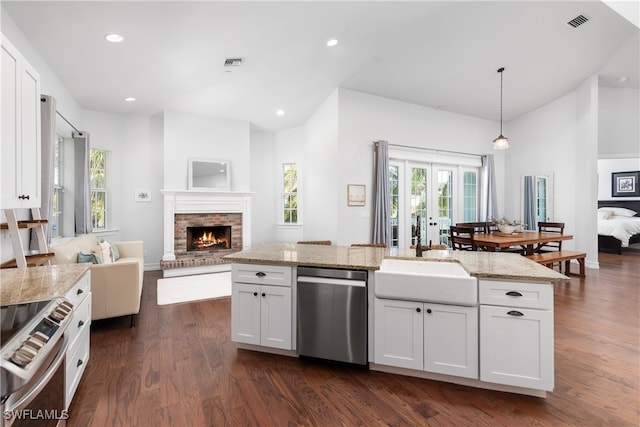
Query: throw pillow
[
  {"x": 619, "y": 211},
  {"x": 104, "y": 250},
  {"x": 114, "y": 249},
  {"x": 604, "y": 214},
  {"x": 92, "y": 258}
]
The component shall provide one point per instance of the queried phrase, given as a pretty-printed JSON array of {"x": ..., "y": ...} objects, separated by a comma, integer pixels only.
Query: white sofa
[{"x": 116, "y": 288}]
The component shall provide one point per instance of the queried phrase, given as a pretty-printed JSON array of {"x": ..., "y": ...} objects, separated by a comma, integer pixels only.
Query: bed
[{"x": 617, "y": 230}]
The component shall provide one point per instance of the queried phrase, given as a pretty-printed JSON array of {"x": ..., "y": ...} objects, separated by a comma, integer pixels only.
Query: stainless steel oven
[{"x": 32, "y": 362}]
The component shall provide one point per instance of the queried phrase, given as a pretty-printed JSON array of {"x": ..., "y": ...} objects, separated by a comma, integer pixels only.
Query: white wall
[
  {"x": 365, "y": 118},
  {"x": 619, "y": 123},
  {"x": 190, "y": 135},
  {"x": 289, "y": 148},
  {"x": 606, "y": 167},
  {"x": 263, "y": 186}
]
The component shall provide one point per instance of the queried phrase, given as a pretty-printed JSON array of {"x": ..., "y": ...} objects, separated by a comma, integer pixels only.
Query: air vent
[
  {"x": 577, "y": 21},
  {"x": 233, "y": 62}
]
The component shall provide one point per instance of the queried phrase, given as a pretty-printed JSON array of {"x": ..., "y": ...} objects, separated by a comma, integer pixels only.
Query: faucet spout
[{"x": 418, "y": 238}]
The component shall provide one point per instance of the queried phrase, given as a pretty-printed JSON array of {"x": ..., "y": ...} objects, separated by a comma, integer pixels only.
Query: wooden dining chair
[
  {"x": 314, "y": 242},
  {"x": 462, "y": 238},
  {"x": 479, "y": 227},
  {"x": 550, "y": 227}
]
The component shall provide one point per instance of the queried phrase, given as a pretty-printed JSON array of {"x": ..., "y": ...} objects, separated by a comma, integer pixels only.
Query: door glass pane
[
  {"x": 418, "y": 203},
  {"x": 445, "y": 207},
  {"x": 393, "y": 190},
  {"x": 470, "y": 197},
  {"x": 541, "y": 198}
]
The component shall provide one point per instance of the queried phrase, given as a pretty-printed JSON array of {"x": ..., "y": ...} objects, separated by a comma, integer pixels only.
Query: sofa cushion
[
  {"x": 104, "y": 250},
  {"x": 114, "y": 249},
  {"x": 90, "y": 257}
]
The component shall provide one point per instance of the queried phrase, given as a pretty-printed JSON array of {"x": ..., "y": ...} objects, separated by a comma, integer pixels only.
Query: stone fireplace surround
[{"x": 199, "y": 207}]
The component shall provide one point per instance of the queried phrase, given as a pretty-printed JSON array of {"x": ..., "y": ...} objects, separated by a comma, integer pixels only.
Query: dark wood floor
[{"x": 178, "y": 367}]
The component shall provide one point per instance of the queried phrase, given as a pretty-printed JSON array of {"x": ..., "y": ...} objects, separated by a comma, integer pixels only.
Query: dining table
[{"x": 496, "y": 241}]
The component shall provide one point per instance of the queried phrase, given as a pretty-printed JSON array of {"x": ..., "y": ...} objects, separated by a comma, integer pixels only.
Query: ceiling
[{"x": 434, "y": 53}]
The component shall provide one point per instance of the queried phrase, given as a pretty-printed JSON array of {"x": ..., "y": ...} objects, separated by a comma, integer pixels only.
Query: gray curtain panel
[
  {"x": 530, "y": 222},
  {"x": 382, "y": 205},
  {"x": 48, "y": 140},
  {"x": 488, "y": 194},
  {"x": 82, "y": 196}
]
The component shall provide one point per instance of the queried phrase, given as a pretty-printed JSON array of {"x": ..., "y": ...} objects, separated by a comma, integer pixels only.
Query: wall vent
[
  {"x": 577, "y": 21},
  {"x": 233, "y": 62}
]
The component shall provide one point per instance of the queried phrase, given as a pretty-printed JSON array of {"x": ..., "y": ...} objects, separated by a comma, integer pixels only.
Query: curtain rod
[
  {"x": 68, "y": 122},
  {"x": 435, "y": 151}
]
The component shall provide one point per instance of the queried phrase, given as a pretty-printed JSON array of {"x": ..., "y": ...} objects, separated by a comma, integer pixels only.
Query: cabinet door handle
[
  {"x": 255, "y": 294},
  {"x": 260, "y": 274},
  {"x": 514, "y": 294},
  {"x": 418, "y": 310},
  {"x": 80, "y": 323},
  {"x": 79, "y": 363},
  {"x": 515, "y": 313},
  {"x": 429, "y": 310},
  {"x": 23, "y": 197},
  {"x": 264, "y": 294},
  {"x": 80, "y": 291}
]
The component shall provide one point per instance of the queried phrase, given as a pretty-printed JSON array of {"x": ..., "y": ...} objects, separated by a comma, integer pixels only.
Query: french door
[{"x": 427, "y": 198}]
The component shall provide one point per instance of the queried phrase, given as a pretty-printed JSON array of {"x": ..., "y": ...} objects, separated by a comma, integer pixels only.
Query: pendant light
[{"x": 501, "y": 142}]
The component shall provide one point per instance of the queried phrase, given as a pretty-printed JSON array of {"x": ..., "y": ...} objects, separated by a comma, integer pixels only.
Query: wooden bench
[{"x": 549, "y": 258}]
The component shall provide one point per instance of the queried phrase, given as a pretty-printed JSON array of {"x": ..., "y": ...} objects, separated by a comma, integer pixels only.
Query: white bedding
[{"x": 620, "y": 227}]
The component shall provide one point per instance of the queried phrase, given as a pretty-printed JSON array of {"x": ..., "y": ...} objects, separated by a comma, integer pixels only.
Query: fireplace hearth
[{"x": 208, "y": 238}]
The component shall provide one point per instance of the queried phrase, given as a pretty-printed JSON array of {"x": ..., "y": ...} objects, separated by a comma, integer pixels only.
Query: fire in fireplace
[{"x": 208, "y": 238}]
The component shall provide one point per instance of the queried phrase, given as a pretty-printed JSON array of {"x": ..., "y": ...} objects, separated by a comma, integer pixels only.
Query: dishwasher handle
[{"x": 330, "y": 281}]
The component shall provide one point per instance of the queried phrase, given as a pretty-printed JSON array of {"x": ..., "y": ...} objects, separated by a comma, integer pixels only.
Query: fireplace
[{"x": 208, "y": 238}]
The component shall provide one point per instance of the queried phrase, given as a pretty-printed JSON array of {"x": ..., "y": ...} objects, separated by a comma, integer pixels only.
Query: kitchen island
[{"x": 501, "y": 338}]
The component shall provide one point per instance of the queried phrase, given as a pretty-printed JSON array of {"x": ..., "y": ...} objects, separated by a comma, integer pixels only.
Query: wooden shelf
[
  {"x": 32, "y": 260},
  {"x": 29, "y": 223}
]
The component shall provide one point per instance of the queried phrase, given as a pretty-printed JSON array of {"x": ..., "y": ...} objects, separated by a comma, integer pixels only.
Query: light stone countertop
[
  {"x": 484, "y": 265},
  {"x": 19, "y": 285}
]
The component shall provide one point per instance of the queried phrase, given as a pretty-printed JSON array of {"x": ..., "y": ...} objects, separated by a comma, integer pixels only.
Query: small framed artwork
[
  {"x": 355, "y": 195},
  {"x": 625, "y": 184},
  {"x": 143, "y": 195}
]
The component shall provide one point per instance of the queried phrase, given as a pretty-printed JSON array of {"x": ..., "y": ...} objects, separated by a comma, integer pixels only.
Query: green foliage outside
[{"x": 97, "y": 166}]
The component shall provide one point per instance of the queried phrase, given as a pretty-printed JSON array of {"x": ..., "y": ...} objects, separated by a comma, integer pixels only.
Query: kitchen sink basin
[{"x": 429, "y": 281}]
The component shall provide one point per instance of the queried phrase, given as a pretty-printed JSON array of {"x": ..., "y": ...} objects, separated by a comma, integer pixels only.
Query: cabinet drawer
[
  {"x": 80, "y": 290},
  {"x": 261, "y": 274},
  {"x": 77, "y": 358},
  {"x": 516, "y": 294},
  {"x": 81, "y": 319}
]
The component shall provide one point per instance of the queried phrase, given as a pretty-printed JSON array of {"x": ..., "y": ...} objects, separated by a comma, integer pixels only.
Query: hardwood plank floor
[{"x": 178, "y": 367}]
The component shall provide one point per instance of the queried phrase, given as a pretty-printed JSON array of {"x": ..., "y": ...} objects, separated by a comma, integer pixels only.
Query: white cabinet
[
  {"x": 431, "y": 337},
  {"x": 20, "y": 151},
  {"x": 516, "y": 334},
  {"x": 261, "y": 314},
  {"x": 78, "y": 335}
]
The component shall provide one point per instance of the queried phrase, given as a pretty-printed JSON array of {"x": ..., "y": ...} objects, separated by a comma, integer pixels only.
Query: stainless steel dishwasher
[{"x": 332, "y": 314}]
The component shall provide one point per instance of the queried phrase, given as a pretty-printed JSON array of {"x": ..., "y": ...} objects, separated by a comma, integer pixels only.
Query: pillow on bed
[
  {"x": 604, "y": 214},
  {"x": 619, "y": 211}
]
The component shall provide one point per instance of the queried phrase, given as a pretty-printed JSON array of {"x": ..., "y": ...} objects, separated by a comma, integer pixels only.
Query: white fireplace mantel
[{"x": 181, "y": 202}]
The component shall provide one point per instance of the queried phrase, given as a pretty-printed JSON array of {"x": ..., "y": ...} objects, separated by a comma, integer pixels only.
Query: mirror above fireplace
[{"x": 209, "y": 175}]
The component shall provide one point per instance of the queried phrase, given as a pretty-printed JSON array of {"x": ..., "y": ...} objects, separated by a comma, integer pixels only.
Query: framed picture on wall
[
  {"x": 625, "y": 184},
  {"x": 355, "y": 195}
]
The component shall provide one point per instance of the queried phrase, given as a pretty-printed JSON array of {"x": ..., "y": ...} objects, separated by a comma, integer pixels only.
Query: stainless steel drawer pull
[{"x": 514, "y": 294}]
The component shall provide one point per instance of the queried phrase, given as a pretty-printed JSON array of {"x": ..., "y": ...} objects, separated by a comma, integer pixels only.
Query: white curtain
[
  {"x": 530, "y": 222},
  {"x": 48, "y": 140},
  {"x": 382, "y": 205},
  {"x": 488, "y": 194},
  {"x": 82, "y": 186}
]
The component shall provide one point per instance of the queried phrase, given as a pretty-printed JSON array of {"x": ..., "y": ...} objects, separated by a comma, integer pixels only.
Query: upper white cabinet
[{"x": 20, "y": 153}]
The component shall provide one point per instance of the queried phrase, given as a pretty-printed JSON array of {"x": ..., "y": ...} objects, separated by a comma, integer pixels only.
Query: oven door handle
[{"x": 53, "y": 367}]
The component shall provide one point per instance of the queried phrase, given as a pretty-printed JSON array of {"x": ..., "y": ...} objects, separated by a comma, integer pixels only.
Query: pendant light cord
[{"x": 500, "y": 70}]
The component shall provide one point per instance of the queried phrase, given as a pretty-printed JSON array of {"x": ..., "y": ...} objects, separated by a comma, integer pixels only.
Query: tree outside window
[
  {"x": 290, "y": 193},
  {"x": 97, "y": 166}
]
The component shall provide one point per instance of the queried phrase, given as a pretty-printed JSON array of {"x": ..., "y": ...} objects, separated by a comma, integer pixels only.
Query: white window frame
[
  {"x": 58, "y": 189},
  {"x": 104, "y": 190},
  {"x": 283, "y": 196}
]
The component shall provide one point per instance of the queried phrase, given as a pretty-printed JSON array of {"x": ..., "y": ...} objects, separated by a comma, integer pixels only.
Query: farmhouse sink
[{"x": 429, "y": 281}]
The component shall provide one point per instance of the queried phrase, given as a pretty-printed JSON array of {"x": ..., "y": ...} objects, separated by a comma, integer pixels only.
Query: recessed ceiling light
[
  {"x": 622, "y": 79},
  {"x": 130, "y": 99},
  {"x": 114, "y": 38},
  {"x": 280, "y": 113},
  {"x": 332, "y": 42}
]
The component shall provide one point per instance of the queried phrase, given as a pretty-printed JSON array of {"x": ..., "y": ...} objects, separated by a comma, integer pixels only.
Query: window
[
  {"x": 290, "y": 193},
  {"x": 97, "y": 166},
  {"x": 58, "y": 188},
  {"x": 393, "y": 189},
  {"x": 541, "y": 198},
  {"x": 470, "y": 196}
]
